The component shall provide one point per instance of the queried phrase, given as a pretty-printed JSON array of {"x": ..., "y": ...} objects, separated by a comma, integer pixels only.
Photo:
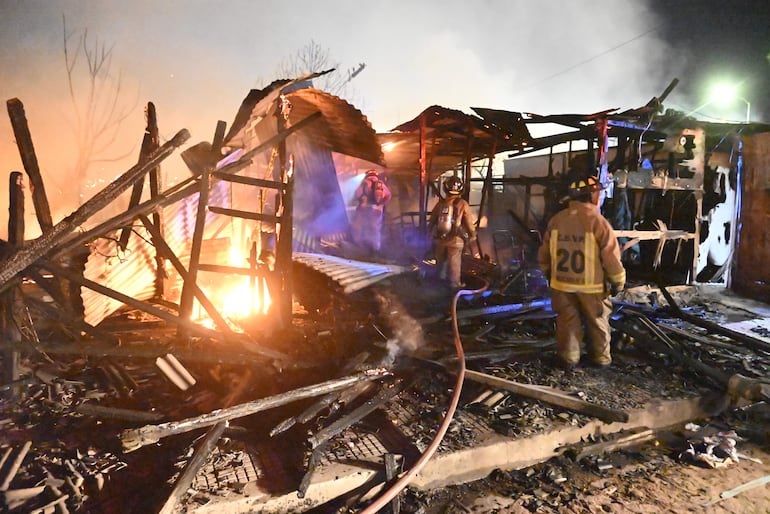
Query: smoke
[
  {"x": 195, "y": 59},
  {"x": 407, "y": 335}
]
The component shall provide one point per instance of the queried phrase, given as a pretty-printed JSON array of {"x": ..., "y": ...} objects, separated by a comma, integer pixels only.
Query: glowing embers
[
  {"x": 246, "y": 298},
  {"x": 239, "y": 294}
]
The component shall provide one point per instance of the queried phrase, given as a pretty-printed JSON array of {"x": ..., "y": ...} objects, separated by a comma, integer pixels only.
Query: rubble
[{"x": 350, "y": 377}]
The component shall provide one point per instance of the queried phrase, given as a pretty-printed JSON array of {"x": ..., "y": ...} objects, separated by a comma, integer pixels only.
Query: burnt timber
[{"x": 84, "y": 363}]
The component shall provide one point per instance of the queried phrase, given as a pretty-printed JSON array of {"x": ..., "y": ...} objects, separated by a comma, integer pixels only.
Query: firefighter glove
[{"x": 616, "y": 288}]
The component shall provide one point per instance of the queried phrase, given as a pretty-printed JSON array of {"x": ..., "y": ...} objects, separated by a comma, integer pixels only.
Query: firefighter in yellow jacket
[{"x": 580, "y": 256}]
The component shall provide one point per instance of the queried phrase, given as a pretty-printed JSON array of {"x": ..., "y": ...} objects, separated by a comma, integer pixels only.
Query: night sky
[{"x": 719, "y": 40}]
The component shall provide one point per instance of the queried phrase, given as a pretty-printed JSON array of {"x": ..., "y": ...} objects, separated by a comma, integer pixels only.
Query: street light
[{"x": 725, "y": 94}]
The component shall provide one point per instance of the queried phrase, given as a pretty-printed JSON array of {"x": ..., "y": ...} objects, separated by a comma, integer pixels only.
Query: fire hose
[{"x": 402, "y": 482}]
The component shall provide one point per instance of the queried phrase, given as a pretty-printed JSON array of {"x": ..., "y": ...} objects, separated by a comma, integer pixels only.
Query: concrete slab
[{"x": 467, "y": 464}]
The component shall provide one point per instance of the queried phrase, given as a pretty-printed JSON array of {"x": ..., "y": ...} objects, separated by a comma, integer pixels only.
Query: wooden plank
[
  {"x": 165, "y": 251},
  {"x": 551, "y": 396},
  {"x": 188, "y": 289},
  {"x": 133, "y": 439},
  {"x": 14, "y": 264},
  {"x": 29, "y": 159},
  {"x": 251, "y": 181},
  {"x": 257, "y": 216}
]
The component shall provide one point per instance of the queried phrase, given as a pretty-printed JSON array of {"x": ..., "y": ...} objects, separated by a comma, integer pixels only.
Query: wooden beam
[
  {"x": 251, "y": 181},
  {"x": 188, "y": 289},
  {"x": 151, "y": 205},
  {"x": 160, "y": 313},
  {"x": 257, "y": 216},
  {"x": 166, "y": 252},
  {"x": 29, "y": 159},
  {"x": 11, "y": 266},
  {"x": 133, "y": 439},
  {"x": 551, "y": 396}
]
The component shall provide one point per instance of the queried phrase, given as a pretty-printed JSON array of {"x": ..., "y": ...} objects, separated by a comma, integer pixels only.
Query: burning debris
[{"x": 290, "y": 380}]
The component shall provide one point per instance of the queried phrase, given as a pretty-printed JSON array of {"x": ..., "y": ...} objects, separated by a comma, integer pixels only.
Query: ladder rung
[
  {"x": 251, "y": 181},
  {"x": 245, "y": 214}
]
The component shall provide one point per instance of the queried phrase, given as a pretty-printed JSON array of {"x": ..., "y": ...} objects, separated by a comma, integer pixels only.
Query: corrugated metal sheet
[
  {"x": 450, "y": 136},
  {"x": 133, "y": 272},
  {"x": 342, "y": 128},
  {"x": 320, "y": 211},
  {"x": 349, "y": 274}
]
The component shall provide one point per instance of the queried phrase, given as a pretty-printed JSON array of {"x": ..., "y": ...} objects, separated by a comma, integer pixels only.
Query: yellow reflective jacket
[{"x": 580, "y": 252}]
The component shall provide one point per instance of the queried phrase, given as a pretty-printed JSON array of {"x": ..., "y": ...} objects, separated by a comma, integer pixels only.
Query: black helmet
[
  {"x": 453, "y": 185},
  {"x": 584, "y": 186}
]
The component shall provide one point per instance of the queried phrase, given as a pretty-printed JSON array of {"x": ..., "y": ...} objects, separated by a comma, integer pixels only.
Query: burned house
[{"x": 131, "y": 387}]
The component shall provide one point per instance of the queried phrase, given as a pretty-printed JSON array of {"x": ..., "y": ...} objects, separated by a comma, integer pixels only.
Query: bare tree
[
  {"x": 313, "y": 58},
  {"x": 98, "y": 102}
]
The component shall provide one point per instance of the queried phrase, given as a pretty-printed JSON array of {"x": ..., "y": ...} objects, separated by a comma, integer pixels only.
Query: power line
[{"x": 609, "y": 50}]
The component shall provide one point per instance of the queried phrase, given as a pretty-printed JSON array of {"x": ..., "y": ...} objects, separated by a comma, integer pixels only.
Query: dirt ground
[{"x": 651, "y": 478}]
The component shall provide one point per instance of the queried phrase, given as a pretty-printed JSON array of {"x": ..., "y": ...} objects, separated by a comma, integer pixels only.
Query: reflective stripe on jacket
[{"x": 580, "y": 251}]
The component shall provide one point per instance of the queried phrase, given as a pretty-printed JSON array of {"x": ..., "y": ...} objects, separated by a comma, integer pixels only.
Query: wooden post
[
  {"x": 284, "y": 232},
  {"x": 29, "y": 159},
  {"x": 186, "y": 300},
  {"x": 165, "y": 251},
  {"x": 149, "y": 145},
  {"x": 423, "y": 173},
  {"x": 14, "y": 264},
  {"x": 10, "y": 369}
]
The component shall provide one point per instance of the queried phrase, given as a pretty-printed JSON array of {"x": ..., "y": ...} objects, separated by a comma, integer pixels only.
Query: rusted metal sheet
[
  {"x": 447, "y": 135},
  {"x": 750, "y": 273},
  {"x": 349, "y": 274}
]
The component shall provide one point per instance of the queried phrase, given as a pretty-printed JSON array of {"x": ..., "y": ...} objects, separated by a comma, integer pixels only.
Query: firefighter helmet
[
  {"x": 453, "y": 185},
  {"x": 584, "y": 186}
]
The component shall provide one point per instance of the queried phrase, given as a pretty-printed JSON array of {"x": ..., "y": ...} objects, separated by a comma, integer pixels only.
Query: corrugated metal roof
[
  {"x": 451, "y": 136},
  {"x": 351, "y": 275},
  {"x": 342, "y": 128}
]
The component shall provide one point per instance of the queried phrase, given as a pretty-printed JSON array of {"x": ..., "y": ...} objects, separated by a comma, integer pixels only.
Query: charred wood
[
  {"x": 323, "y": 403},
  {"x": 165, "y": 251},
  {"x": 149, "y": 145},
  {"x": 197, "y": 461},
  {"x": 104, "y": 412},
  {"x": 550, "y": 395},
  {"x": 189, "y": 286},
  {"x": 145, "y": 208},
  {"x": 387, "y": 393},
  {"x": 29, "y": 159},
  {"x": 134, "y": 439},
  {"x": 14, "y": 264},
  {"x": 165, "y": 315},
  {"x": 715, "y": 328},
  {"x": 13, "y": 466}
]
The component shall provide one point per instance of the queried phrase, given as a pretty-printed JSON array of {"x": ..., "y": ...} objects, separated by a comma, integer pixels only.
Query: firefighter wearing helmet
[
  {"x": 580, "y": 256},
  {"x": 452, "y": 225},
  {"x": 371, "y": 197}
]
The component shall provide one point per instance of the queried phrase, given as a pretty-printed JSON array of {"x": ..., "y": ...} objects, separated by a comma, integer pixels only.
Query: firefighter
[
  {"x": 452, "y": 225},
  {"x": 580, "y": 256},
  {"x": 371, "y": 196}
]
